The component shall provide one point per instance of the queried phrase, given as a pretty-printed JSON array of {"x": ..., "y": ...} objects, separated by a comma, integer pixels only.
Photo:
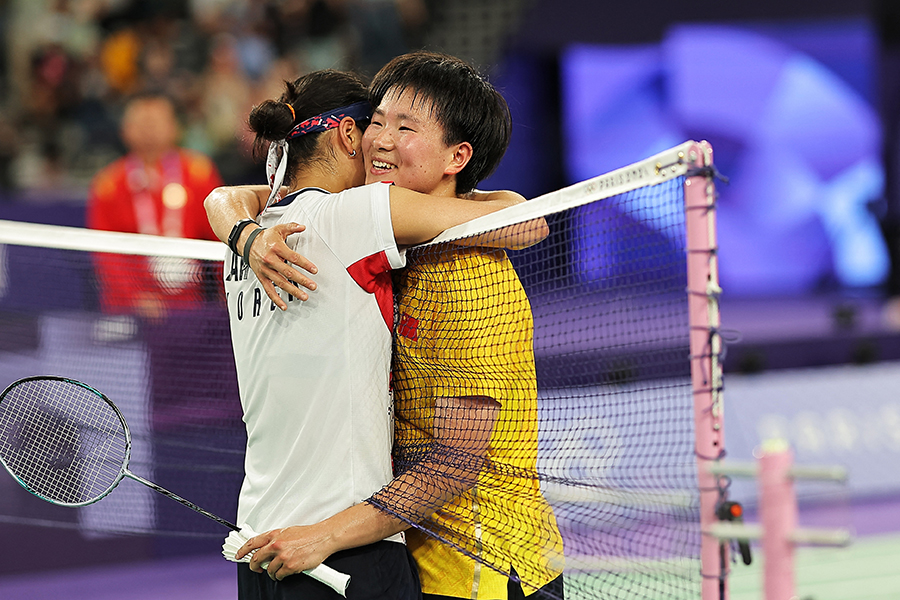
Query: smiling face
[{"x": 405, "y": 144}]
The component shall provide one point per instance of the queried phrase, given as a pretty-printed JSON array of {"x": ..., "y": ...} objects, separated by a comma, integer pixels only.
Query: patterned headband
[
  {"x": 277, "y": 165},
  {"x": 360, "y": 111}
]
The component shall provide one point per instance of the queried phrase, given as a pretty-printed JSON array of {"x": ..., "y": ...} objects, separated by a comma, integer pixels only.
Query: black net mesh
[
  {"x": 544, "y": 408},
  {"x": 152, "y": 334},
  {"x": 542, "y": 396}
]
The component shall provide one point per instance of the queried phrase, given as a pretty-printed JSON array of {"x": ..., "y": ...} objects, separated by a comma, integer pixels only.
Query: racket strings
[{"x": 62, "y": 441}]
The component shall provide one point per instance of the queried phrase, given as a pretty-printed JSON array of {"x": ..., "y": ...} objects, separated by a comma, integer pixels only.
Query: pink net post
[
  {"x": 778, "y": 516},
  {"x": 705, "y": 346}
]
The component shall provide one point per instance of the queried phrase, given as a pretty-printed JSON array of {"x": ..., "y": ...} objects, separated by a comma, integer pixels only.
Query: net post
[
  {"x": 705, "y": 347},
  {"x": 778, "y": 514}
]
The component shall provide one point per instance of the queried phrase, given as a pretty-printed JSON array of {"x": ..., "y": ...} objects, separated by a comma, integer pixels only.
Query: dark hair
[
  {"x": 309, "y": 95},
  {"x": 467, "y": 107}
]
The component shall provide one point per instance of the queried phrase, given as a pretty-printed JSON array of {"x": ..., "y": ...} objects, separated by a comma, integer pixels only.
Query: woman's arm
[
  {"x": 271, "y": 259},
  {"x": 514, "y": 237},
  {"x": 225, "y": 206},
  {"x": 415, "y": 217},
  {"x": 419, "y": 218},
  {"x": 450, "y": 468}
]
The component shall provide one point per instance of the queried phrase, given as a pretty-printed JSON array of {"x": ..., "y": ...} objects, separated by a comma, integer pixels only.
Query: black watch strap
[{"x": 236, "y": 233}]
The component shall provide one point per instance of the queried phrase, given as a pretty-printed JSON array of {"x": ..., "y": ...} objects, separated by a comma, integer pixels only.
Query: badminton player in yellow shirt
[{"x": 468, "y": 373}]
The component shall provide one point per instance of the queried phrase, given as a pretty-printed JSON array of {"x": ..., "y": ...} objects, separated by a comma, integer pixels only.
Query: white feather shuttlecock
[
  {"x": 334, "y": 579},
  {"x": 233, "y": 543}
]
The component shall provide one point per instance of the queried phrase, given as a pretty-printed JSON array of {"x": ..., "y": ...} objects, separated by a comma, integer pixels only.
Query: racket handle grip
[
  {"x": 323, "y": 573},
  {"x": 334, "y": 579}
]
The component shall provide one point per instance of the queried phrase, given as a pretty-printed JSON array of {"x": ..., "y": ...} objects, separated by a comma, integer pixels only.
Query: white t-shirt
[{"x": 314, "y": 378}]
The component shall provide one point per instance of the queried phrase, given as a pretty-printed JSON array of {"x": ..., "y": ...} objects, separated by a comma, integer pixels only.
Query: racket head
[{"x": 62, "y": 440}]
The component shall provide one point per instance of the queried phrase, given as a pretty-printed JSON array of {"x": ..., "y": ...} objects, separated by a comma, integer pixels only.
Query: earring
[{"x": 353, "y": 154}]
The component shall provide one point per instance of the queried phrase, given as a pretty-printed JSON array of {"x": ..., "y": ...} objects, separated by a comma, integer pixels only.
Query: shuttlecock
[
  {"x": 323, "y": 573},
  {"x": 233, "y": 543}
]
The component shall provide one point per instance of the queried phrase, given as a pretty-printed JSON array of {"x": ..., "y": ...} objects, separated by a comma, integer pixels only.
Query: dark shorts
[
  {"x": 383, "y": 570},
  {"x": 551, "y": 591}
]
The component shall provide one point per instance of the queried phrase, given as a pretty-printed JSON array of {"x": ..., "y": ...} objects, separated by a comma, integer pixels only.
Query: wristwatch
[{"x": 236, "y": 233}]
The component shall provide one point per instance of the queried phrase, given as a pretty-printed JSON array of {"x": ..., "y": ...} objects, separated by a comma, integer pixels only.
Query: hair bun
[{"x": 272, "y": 120}]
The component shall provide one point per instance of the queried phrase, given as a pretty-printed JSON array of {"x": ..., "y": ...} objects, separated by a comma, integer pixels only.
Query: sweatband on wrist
[{"x": 249, "y": 243}]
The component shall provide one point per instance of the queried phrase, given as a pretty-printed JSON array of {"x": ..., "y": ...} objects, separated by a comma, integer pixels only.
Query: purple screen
[{"x": 789, "y": 112}]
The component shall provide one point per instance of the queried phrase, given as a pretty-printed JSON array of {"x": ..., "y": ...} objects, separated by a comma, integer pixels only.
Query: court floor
[{"x": 869, "y": 569}]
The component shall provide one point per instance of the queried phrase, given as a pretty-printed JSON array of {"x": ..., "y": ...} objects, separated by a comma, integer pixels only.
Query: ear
[
  {"x": 348, "y": 136},
  {"x": 460, "y": 157}
]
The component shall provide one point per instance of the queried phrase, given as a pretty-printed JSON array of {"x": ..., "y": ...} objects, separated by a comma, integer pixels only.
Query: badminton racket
[{"x": 68, "y": 444}]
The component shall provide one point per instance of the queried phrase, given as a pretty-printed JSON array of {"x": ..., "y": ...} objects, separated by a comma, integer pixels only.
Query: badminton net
[
  {"x": 545, "y": 393},
  {"x": 574, "y": 350},
  {"x": 143, "y": 319}
]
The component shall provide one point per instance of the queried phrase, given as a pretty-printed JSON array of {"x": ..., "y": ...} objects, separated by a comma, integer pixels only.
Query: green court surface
[{"x": 867, "y": 569}]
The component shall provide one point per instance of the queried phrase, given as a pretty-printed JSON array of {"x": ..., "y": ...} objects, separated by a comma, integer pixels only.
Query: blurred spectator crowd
[{"x": 68, "y": 66}]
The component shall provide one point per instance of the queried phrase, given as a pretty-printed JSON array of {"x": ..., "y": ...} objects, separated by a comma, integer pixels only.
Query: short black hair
[
  {"x": 465, "y": 104},
  {"x": 309, "y": 95}
]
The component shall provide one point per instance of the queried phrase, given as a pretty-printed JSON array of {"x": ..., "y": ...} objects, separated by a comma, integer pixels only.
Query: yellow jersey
[{"x": 465, "y": 329}]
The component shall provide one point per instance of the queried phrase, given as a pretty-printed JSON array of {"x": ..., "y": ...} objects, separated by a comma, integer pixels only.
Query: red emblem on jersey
[{"x": 408, "y": 327}]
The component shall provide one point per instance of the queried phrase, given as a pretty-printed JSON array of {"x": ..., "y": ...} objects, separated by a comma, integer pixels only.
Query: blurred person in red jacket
[{"x": 157, "y": 189}]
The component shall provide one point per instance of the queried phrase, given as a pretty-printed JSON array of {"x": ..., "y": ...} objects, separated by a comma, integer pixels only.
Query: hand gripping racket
[{"x": 68, "y": 444}]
